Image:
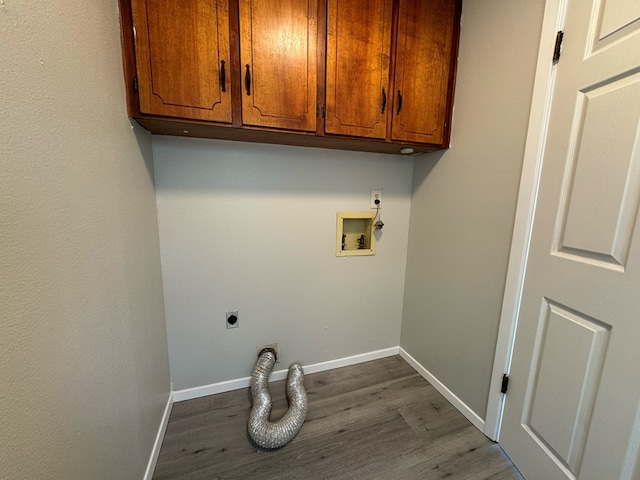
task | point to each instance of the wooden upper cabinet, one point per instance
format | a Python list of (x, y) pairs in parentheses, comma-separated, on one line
[(358, 60), (423, 70), (182, 58), (371, 75), (278, 63)]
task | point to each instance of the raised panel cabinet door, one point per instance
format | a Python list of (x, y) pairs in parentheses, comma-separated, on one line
[(358, 61), (182, 58), (423, 61), (278, 42)]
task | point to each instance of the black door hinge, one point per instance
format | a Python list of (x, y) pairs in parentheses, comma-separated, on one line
[(324, 111), (135, 84), (317, 110), (558, 47), (505, 383)]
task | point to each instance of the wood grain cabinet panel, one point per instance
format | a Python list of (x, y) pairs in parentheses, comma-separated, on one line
[(358, 61), (423, 69), (182, 58), (278, 53)]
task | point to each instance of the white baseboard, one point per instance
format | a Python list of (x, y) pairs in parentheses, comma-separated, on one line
[(212, 389), (153, 459), (446, 393), (196, 392), (345, 362)]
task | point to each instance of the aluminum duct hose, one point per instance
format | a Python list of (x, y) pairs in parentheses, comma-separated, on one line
[(277, 434)]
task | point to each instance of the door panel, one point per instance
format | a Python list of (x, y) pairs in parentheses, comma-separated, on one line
[(278, 62), (562, 395), (358, 61), (617, 15), (425, 40), (573, 407), (180, 48), (602, 188)]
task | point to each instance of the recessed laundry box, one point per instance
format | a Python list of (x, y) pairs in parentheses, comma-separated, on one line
[(354, 234)]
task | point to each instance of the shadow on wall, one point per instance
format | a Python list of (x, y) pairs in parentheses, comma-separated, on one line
[(424, 165), (144, 143), (191, 164)]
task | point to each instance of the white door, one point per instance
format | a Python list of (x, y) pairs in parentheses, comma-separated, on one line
[(573, 406)]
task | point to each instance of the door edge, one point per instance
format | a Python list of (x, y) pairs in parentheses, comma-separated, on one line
[(544, 82)]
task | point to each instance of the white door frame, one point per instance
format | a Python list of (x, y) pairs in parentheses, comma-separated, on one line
[(553, 21)]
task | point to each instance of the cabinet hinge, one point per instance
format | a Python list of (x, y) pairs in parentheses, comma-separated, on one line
[(446, 125), (135, 84), (558, 47), (324, 111), (317, 110), (505, 383)]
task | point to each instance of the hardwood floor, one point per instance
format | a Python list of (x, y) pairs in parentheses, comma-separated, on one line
[(376, 420)]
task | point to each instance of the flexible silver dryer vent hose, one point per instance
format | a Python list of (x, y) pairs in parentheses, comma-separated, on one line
[(277, 434)]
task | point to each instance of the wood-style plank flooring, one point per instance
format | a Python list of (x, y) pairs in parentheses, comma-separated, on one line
[(376, 420)]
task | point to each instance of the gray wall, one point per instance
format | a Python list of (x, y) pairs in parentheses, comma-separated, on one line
[(83, 363), (253, 227), (464, 199)]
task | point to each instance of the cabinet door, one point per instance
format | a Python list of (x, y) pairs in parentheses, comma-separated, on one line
[(423, 60), (278, 42), (358, 47), (182, 58)]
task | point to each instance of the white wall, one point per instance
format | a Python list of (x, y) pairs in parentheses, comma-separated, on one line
[(83, 362), (464, 199), (252, 227)]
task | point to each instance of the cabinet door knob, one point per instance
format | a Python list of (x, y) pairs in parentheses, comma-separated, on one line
[(399, 102), (223, 76), (247, 80), (384, 100)]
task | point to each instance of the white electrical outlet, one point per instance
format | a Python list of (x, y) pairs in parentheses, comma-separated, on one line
[(376, 195)]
